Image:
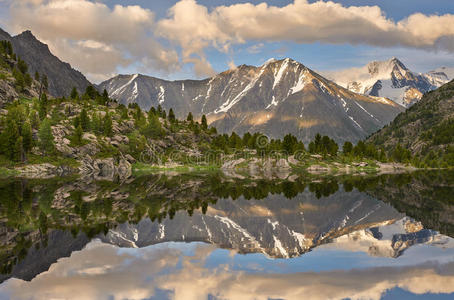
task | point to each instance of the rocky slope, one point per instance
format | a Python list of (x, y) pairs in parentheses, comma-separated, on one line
[(426, 126), (391, 79), (61, 76), (279, 97)]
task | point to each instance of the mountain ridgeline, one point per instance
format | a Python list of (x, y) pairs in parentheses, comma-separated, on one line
[(391, 79), (61, 76), (426, 128), (279, 97)]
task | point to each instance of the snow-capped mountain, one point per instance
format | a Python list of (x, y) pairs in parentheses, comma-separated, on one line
[(391, 79), (353, 223), (279, 97)]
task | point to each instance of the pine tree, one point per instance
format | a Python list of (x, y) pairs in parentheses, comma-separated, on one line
[(91, 92), (96, 124), (152, 111), (74, 94), (27, 80), (46, 138), (289, 143), (107, 124), (84, 120), (347, 148), (44, 82), (37, 76), (105, 96), (19, 150), (76, 121), (9, 137), (204, 122), (43, 107), (22, 66), (78, 133), (34, 120), (27, 136), (190, 118), (124, 113), (20, 81), (171, 116), (153, 129)]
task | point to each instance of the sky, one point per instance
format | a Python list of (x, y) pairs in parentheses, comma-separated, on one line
[(179, 39)]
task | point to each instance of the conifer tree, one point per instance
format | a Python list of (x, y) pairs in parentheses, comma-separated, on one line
[(204, 122), (105, 96), (43, 106), (44, 82), (190, 118), (347, 148), (9, 137), (78, 133), (19, 150), (107, 124), (84, 120), (34, 119), (171, 116), (37, 76), (20, 81), (46, 138), (27, 137), (74, 94)]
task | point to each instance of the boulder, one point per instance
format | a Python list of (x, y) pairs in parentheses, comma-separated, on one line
[(282, 164), (231, 164)]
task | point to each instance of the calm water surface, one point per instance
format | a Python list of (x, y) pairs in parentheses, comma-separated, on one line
[(210, 236)]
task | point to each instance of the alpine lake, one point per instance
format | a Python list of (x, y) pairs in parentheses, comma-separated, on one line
[(211, 235)]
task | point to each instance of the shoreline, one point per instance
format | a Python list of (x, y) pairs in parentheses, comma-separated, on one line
[(252, 167)]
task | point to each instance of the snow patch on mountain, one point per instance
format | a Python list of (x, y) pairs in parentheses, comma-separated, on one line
[(123, 87)]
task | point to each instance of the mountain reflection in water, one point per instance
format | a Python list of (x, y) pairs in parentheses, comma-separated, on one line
[(327, 237)]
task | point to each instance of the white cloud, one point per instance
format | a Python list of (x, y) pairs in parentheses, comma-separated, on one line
[(130, 33), (194, 28), (102, 271), (93, 37)]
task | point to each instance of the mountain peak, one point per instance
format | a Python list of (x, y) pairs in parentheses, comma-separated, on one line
[(27, 34)]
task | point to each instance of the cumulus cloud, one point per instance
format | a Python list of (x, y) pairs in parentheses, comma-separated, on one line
[(131, 34), (193, 27), (93, 37), (103, 271)]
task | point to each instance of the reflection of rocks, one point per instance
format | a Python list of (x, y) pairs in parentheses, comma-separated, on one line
[(45, 170), (107, 168)]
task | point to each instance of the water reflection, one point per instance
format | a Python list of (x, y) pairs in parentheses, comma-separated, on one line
[(375, 223), (198, 271)]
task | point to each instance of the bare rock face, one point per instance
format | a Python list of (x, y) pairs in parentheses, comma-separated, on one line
[(61, 76), (7, 93)]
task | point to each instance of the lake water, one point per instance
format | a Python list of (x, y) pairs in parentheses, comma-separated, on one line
[(212, 236)]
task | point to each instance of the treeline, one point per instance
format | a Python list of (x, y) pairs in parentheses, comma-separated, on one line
[(19, 69)]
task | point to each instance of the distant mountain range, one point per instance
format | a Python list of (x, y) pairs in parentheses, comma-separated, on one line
[(391, 79), (279, 97), (61, 76)]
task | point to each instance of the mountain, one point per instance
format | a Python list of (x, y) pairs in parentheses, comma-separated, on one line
[(391, 79), (279, 97), (61, 76), (425, 127)]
